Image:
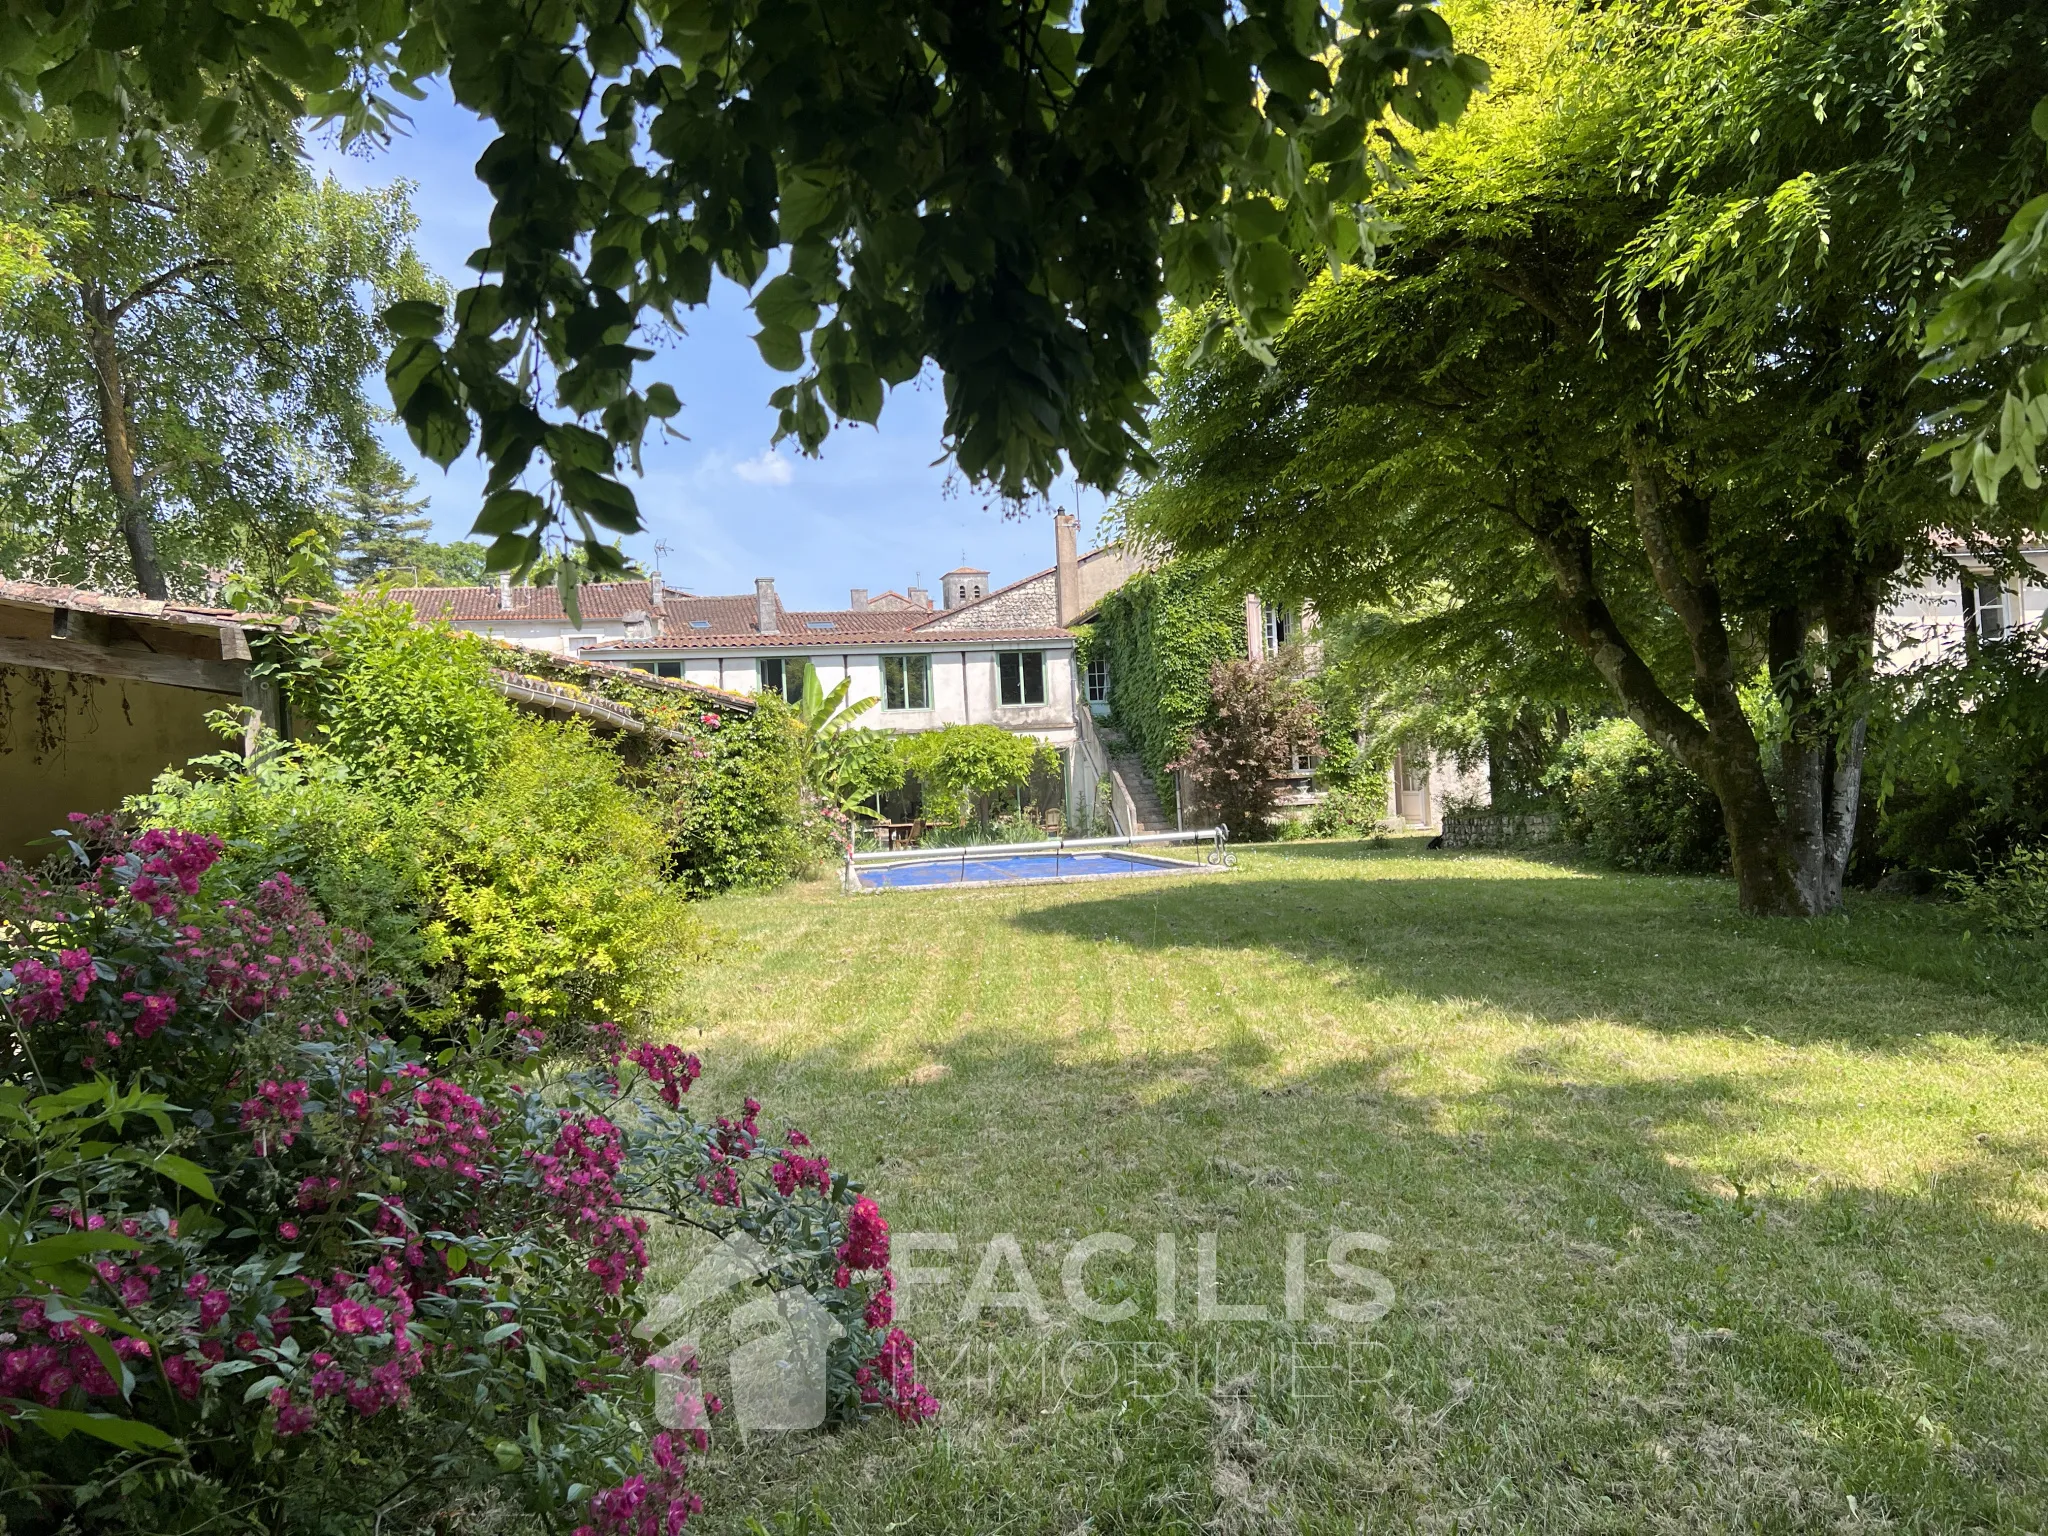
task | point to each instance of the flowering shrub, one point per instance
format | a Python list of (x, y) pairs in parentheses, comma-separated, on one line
[(264, 1267)]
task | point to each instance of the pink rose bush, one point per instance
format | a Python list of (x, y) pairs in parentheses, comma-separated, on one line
[(269, 1236)]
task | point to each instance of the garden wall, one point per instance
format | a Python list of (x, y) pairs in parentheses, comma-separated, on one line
[(1489, 831)]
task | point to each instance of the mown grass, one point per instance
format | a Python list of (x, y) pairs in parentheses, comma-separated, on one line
[(1693, 1222)]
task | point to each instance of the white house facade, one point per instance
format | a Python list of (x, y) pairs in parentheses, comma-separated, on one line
[(983, 656), (1956, 610)]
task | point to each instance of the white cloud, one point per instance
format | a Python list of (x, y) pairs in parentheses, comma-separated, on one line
[(766, 468)]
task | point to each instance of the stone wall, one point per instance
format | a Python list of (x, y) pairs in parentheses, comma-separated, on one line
[(1030, 604), (1485, 830)]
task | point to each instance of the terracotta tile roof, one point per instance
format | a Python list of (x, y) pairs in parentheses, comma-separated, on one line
[(815, 640), (894, 602), (855, 621), (607, 600), (721, 615), (126, 606)]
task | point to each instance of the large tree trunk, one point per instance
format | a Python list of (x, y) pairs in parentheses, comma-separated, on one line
[(1825, 734), (1722, 749), (117, 435)]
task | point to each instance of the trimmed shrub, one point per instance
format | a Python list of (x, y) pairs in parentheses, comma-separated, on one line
[(548, 886), (1630, 804), (1350, 810)]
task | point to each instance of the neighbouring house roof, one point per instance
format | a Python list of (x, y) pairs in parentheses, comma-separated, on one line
[(599, 600), (896, 601), (738, 615), (850, 621), (828, 640), (945, 615)]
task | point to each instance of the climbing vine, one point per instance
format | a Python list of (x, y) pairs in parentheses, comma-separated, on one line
[(1162, 632)]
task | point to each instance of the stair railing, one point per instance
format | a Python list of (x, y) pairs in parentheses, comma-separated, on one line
[(1089, 748)]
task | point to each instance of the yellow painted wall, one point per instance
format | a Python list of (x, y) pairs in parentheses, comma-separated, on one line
[(74, 743)]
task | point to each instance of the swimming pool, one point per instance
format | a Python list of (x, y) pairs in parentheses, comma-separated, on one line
[(1034, 864)]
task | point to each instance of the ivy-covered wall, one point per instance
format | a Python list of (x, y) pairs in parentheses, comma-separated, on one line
[(1162, 631)]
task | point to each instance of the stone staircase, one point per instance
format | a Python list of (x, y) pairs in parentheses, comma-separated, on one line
[(1135, 783)]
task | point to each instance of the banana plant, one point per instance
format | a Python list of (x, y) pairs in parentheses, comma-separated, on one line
[(830, 745)]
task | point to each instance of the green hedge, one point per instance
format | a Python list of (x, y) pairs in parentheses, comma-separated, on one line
[(732, 802), (1633, 805), (1161, 632)]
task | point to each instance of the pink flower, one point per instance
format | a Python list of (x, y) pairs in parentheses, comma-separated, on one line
[(668, 1068), (793, 1171), (277, 1111), (292, 1418), (867, 1236)]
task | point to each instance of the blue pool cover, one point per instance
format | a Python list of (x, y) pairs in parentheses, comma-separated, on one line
[(977, 868)]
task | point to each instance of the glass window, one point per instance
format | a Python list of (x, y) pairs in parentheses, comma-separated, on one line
[(783, 675), (1098, 680), (1279, 627), (1022, 675), (668, 668), (1985, 601), (641, 666), (906, 682)]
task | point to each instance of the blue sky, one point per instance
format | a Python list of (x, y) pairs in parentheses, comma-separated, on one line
[(872, 511)]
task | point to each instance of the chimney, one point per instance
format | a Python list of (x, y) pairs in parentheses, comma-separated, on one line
[(920, 598), (1066, 581), (504, 591), (858, 601), (764, 606)]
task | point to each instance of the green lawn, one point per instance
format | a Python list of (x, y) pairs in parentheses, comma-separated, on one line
[(1692, 1222)]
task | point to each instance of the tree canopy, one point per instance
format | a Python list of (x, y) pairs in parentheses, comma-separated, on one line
[(1639, 367), (1007, 191), (183, 368)]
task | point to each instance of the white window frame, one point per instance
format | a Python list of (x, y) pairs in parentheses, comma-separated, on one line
[(1095, 679), (1280, 626), (1987, 595)]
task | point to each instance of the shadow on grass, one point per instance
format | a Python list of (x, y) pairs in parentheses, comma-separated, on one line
[(1586, 1328), (1666, 954)]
